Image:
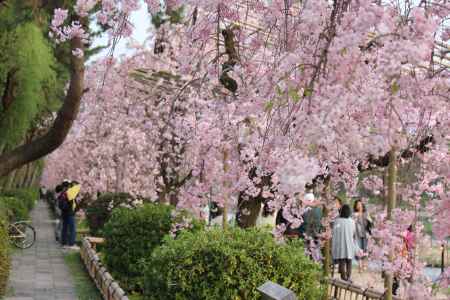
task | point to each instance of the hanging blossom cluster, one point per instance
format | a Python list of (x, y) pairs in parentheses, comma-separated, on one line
[(63, 33), (391, 253), (373, 183), (113, 14)]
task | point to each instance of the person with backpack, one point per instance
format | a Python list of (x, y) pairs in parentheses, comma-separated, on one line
[(59, 190), (312, 225), (67, 207)]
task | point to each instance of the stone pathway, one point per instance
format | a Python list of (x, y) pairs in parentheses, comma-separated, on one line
[(39, 273)]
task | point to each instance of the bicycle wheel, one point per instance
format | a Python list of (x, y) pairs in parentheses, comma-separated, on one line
[(22, 235)]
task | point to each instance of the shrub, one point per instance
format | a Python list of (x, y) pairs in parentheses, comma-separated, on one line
[(14, 209), (99, 211), (132, 234), (5, 262), (28, 196), (218, 265)]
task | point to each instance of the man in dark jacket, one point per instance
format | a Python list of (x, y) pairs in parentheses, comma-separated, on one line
[(68, 232)]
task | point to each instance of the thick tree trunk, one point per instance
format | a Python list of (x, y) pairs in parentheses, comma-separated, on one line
[(392, 196), (248, 211), (44, 145), (250, 207)]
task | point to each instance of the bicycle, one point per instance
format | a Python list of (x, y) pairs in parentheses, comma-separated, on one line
[(22, 234)]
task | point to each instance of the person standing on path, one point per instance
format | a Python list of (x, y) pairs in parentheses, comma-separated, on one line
[(59, 190), (363, 225), (68, 233), (343, 247), (311, 227)]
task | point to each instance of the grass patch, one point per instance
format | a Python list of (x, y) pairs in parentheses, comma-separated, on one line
[(84, 287), (82, 229), (135, 297)]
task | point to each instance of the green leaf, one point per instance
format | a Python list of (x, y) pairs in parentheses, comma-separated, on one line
[(268, 107), (307, 92), (395, 88), (293, 94)]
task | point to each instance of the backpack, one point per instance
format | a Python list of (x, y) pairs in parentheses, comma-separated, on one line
[(63, 203), (312, 223)]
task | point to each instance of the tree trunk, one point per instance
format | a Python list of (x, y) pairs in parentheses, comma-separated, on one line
[(32, 175), (248, 211), (29, 169), (392, 196), (226, 184), (44, 145), (11, 180), (327, 245), (35, 179), (392, 180), (250, 207), (385, 188)]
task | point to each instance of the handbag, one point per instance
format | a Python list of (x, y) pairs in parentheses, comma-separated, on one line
[(369, 225)]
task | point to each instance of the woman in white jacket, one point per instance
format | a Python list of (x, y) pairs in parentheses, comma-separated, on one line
[(344, 247)]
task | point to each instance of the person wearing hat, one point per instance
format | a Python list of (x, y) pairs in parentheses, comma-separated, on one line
[(312, 224), (67, 205)]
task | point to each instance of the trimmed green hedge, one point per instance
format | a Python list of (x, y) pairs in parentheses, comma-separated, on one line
[(216, 265), (132, 234)]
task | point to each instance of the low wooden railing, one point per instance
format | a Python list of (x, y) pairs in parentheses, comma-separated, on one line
[(344, 290), (107, 286)]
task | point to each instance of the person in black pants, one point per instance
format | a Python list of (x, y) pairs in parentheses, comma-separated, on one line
[(343, 246)]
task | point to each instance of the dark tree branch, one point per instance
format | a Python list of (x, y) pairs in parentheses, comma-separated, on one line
[(46, 144), (383, 161)]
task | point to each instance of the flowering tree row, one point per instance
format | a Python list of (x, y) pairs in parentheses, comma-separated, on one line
[(246, 102)]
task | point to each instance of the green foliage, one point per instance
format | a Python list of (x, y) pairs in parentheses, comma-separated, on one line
[(99, 211), (28, 196), (35, 79), (173, 16), (84, 286), (218, 265), (5, 260), (132, 234), (15, 205), (13, 208), (293, 94)]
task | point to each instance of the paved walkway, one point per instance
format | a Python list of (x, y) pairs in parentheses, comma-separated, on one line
[(39, 273)]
